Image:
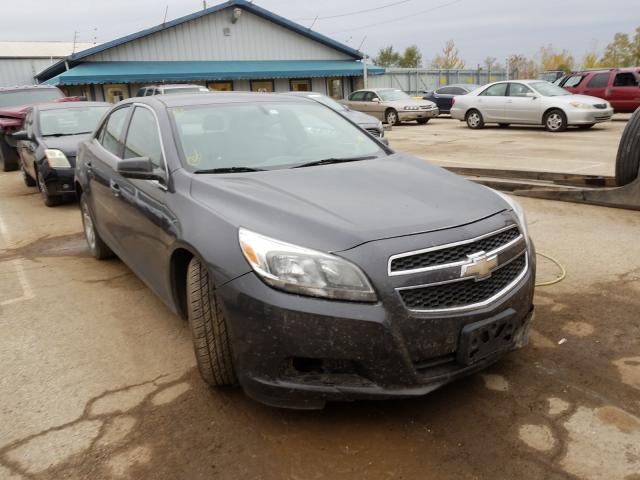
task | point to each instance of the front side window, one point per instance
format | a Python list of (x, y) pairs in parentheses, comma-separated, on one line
[(266, 136), (111, 134), (625, 79), (391, 95), (70, 121), (143, 138), (357, 96), (497, 90), (599, 80), (370, 97), (518, 90)]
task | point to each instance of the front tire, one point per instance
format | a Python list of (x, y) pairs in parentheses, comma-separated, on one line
[(98, 248), (422, 121), (209, 328), (391, 117), (555, 121), (49, 200), (26, 178), (474, 120)]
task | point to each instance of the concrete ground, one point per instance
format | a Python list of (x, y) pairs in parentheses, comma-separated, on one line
[(99, 381)]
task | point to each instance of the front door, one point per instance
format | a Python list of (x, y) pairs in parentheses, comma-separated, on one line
[(492, 102), (521, 108), (596, 86)]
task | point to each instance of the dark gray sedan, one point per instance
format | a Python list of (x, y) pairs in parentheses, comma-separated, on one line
[(312, 262)]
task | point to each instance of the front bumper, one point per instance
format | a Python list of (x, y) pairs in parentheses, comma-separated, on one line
[(587, 117), (300, 352), (58, 181), (409, 115)]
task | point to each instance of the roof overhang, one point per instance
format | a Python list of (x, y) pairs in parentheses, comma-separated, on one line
[(154, 72)]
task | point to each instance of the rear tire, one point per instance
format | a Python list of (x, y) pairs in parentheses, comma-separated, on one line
[(98, 248), (628, 159), (422, 121), (209, 328), (8, 156), (474, 120), (26, 178), (391, 117), (555, 121)]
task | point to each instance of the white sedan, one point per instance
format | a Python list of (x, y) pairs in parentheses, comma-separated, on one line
[(530, 102)]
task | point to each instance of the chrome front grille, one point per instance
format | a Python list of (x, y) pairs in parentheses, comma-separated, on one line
[(467, 292), (458, 253)]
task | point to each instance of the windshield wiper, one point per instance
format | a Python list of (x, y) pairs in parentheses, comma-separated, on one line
[(64, 134), (329, 161), (230, 170)]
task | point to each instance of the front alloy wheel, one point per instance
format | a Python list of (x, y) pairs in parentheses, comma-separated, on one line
[(98, 248), (555, 121), (392, 117)]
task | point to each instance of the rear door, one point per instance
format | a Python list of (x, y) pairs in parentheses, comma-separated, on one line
[(101, 160), (146, 224), (492, 101), (519, 107), (596, 85), (624, 94)]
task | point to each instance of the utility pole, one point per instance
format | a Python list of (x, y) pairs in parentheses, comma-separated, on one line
[(364, 70), (75, 38)]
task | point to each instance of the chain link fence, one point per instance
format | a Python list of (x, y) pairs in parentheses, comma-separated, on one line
[(413, 81)]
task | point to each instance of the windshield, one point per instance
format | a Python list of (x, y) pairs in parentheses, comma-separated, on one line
[(266, 136), (27, 97), (329, 102), (547, 89), (169, 91), (390, 95), (70, 121)]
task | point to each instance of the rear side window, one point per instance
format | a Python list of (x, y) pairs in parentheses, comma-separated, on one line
[(111, 134), (143, 138), (599, 80), (357, 96), (625, 79), (498, 90), (445, 91), (573, 81)]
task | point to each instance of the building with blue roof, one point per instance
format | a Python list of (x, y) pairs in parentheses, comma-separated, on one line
[(235, 45)]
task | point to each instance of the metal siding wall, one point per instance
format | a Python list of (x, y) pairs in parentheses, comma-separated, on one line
[(411, 80), (252, 38), (21, 71), (319, 85)]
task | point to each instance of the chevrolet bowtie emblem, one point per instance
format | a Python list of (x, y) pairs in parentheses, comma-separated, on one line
[(479, 266)]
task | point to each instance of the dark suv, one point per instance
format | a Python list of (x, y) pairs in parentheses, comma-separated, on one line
[(312, 262), (619, 86)]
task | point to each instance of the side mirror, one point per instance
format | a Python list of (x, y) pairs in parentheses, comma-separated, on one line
[(375, 100), (139, 168), (384, 141), (21, 135), (531, 95)]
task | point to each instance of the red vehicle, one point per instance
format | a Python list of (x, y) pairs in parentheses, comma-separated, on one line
[(14, 104), (619, 86)]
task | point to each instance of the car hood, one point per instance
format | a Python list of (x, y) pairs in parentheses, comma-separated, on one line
[(67, 144), (360, 118), (339, 206), (588, 99)]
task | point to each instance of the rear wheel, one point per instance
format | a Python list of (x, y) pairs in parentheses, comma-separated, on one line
[(474, 119), (555, 121), (98, 248), (208, 327), (26, 178), (628, 159), (422, 121), (391, 116), (49, 200)]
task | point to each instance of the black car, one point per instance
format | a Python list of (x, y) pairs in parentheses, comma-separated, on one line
[(443, 96), (312, 262), (47, 146)]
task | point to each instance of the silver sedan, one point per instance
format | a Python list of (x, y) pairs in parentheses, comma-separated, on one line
[(530, 102)]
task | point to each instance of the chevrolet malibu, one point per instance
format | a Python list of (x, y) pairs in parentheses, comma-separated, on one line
[(530, 102), (312, 262)]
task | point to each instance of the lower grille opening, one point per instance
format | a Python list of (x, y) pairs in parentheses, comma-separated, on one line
[(463, 293), (324, 371)]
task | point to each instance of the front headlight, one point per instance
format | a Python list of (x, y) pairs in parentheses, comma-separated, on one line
[(411, 107), (56, 159), (519, 212), (582, 106), (304, 271)]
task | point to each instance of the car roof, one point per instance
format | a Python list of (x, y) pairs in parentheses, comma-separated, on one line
[(68, 105), (216, 98), (305, 94), (464, 85), (605, 70)]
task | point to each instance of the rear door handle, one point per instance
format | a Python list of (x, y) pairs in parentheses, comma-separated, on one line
[(115, 188)]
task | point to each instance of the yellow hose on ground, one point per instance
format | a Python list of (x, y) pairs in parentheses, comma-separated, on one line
[(563, 271)]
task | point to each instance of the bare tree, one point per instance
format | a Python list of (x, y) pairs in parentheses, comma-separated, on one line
[(449, 59)]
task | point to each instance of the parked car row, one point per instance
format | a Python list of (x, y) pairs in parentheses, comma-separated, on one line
[(256, 216)]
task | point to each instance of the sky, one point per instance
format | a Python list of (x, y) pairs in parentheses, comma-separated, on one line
[(480, 28)]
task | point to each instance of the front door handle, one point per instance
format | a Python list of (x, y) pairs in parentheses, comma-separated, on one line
[(115, 188)]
